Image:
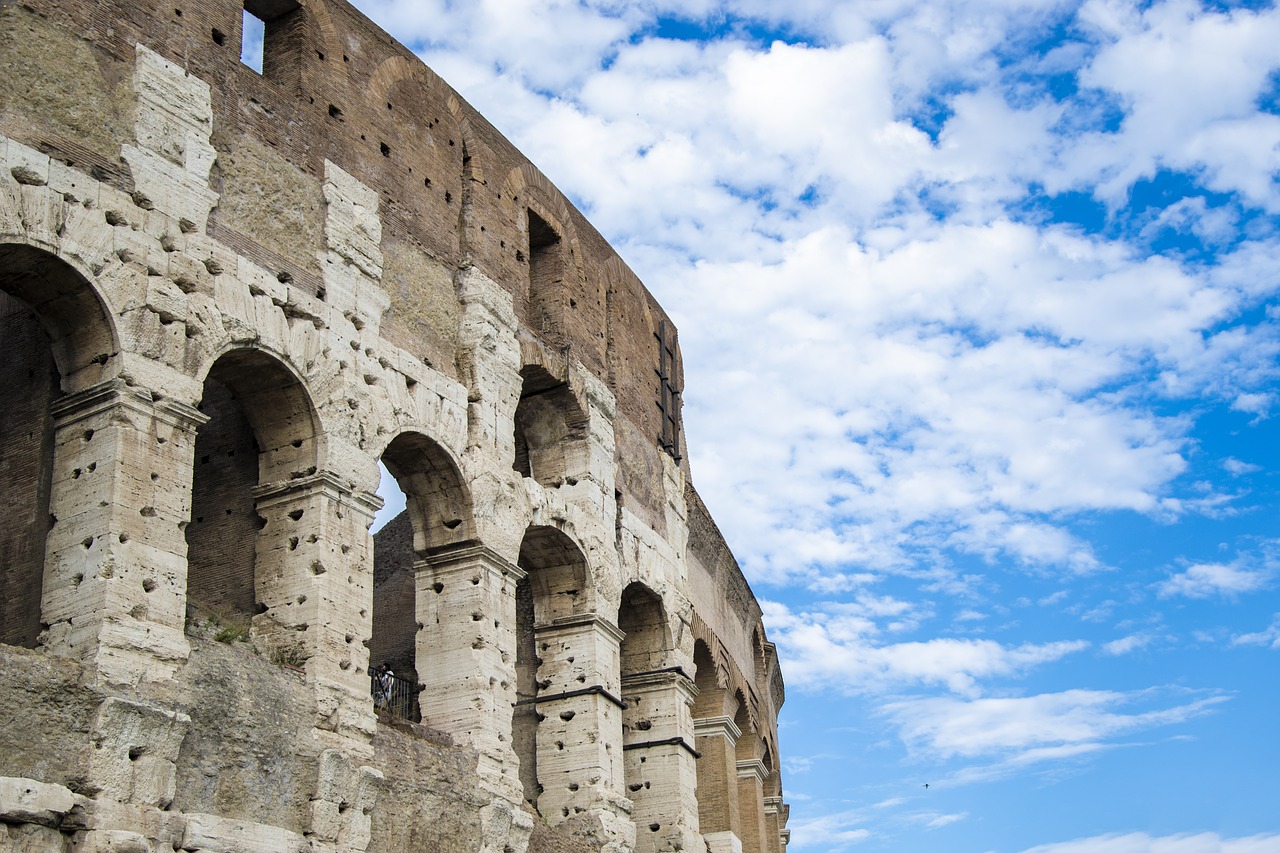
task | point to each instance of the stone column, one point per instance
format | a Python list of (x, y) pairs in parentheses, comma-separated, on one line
[(717, 740), (314, 583), (466, 610), (115, 577), (772, 824), (660, 759), (751, 778), (580, 726)]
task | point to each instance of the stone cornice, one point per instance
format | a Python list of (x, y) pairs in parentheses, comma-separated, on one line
[(464, 557), (717, 727), (579, 621), (754, 767)]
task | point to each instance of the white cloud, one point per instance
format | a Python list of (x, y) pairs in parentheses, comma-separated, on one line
[(937, 821), (1236, 468), (962, 381), (1031, 729), (1210, 580), (1139, 842), (1269, 636), (1131, 643), (834, 647), (832, 832)]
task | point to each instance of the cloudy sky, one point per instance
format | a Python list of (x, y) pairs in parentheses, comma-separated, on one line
[(979, 309)]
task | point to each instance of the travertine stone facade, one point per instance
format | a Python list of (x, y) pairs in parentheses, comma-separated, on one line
[(226, 295)]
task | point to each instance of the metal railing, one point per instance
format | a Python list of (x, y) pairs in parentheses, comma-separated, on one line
[(393, 694)]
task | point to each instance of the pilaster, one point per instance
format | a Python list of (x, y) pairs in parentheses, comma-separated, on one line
[(115, 567), (314, 582), (660, 759), (751, 778), (717, 739), (579, 741), (465, 604)]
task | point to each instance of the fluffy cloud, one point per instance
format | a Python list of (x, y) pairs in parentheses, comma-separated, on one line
[(947, 373), (1030, 729), (1270, 636), (837, 647), (1210, 580)]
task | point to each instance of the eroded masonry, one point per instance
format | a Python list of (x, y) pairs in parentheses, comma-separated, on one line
[(226, 293)]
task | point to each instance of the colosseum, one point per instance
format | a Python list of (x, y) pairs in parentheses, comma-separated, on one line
[(228, 292)]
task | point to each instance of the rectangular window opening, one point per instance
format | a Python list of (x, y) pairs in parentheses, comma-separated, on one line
[(668, 393), (253, 41), (546, 273)]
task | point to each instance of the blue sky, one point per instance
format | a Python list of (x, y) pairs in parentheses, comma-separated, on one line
[(979, 309)]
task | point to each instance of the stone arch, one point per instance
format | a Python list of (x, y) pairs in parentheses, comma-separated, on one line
[(263, 432), (552, 254), (437, 515), (551, 426), (69, 309), (752, 774), (642, 618), (58, 338), (717, 737), (551, 603)]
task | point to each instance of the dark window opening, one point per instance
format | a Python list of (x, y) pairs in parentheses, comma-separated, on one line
[(29, 384), (668, 393), (546, 273)]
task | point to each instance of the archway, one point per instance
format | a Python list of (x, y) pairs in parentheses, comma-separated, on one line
[(58, 338), (550, 430), (550, 663), (436, 514), (262, 431)]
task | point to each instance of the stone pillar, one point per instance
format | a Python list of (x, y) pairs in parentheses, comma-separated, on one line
[(115, 577), (717, 740), (772, 824), (660, 759), (751, 778), (314, 583), (466, 610), (580, 726)]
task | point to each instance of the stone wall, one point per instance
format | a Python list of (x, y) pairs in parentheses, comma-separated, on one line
[(228, 295)]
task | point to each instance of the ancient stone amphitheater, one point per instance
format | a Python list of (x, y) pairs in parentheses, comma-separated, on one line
[(225, 295)]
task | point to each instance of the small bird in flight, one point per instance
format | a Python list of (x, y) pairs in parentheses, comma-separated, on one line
[(926, 786)]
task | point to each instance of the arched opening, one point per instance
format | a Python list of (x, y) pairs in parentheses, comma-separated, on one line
[(434, 515), (651, 718), (716, 787), (28, 387), (642, 620), (261, 430), (57, 338), (551, 429), (555, 587), (751, 778), (548, 256)]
